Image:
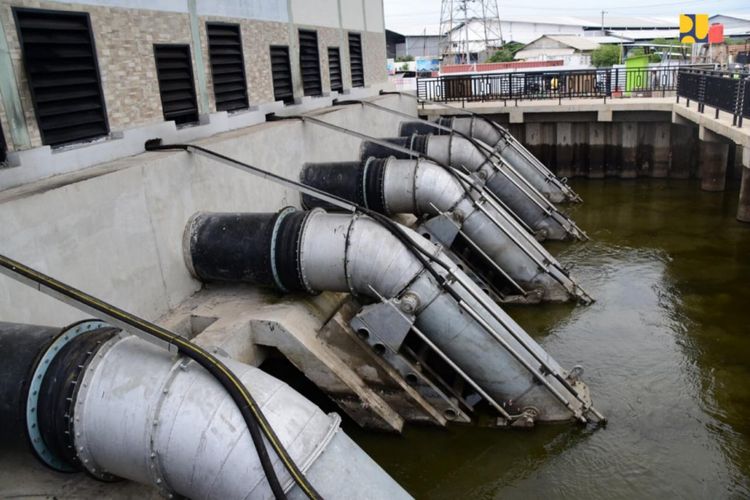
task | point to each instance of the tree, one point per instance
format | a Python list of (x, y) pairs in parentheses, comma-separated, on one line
[(639, 51), (405, 58), (605, 56), (505, 53)]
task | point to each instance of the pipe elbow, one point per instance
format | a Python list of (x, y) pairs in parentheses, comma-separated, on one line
[(341, 252), (419, 187)]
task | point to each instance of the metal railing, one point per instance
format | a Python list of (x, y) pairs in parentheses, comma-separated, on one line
[(553, 84), (722, 90)]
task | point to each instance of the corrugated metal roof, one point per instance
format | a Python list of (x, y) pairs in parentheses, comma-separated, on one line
[(577, 42), (525, 54)]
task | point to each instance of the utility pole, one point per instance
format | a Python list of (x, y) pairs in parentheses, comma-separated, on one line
[(603, 12), (457, 39)]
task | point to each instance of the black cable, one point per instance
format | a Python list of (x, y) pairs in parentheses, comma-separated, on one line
[(250, 410)]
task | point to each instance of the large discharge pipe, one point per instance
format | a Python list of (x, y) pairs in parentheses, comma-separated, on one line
[(522, 199), (93, 398), (501, 142), (422, 188), (312, 251)]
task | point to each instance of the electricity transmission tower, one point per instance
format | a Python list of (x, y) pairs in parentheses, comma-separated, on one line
[(469, 27)]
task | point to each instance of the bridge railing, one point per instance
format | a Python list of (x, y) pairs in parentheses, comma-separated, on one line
[(551, 84), (722, 90)]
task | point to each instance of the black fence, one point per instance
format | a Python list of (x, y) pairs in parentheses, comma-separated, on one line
[(602, 83), (722, 90)]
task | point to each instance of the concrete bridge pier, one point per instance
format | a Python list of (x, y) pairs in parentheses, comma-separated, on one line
[(629, 165), (661, 144), (713, 154), (597, 150), (743, 209), (564, 149)]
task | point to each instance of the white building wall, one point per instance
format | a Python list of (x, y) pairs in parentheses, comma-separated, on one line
[(374, 15), (352, 14), (317, 13)]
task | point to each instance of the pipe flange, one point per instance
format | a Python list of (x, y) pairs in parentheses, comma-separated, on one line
[(274, 269), (363, 187), (79, 437), (32, 398), (386, 165), (305, 463), (414, 184), (347, 270), (300, 254), (155, 469)]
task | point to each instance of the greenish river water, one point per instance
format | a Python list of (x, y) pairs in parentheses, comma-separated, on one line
[(666, 351)]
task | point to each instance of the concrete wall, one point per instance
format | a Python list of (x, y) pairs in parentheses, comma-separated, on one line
[(115, 231), (622, 149)]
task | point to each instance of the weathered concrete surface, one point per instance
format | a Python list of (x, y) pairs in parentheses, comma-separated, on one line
[(313, 333), (116, 230), (712, 160)]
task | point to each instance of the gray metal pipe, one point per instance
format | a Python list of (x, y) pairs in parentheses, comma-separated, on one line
[(513, 190), (502, 145), (420, 187), (515, 153), (140, 413), (352, 253), (349, 253)]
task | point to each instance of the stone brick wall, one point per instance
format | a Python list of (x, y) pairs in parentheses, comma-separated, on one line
[(373, 55), (124, 44)]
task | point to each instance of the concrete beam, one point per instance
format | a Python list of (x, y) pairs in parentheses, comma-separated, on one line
[(515, 115), (708, 135), (678, 119), (604, 115)]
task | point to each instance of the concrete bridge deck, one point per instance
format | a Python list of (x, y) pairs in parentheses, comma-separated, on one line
[(626, 137), (525, 111)]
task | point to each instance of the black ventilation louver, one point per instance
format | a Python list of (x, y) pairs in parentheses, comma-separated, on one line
[(334, 69), (227, 66), (174, 69), (281, 72), (355, 60), (309, 62), (63, 74)]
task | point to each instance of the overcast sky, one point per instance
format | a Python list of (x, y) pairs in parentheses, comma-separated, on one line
[(403, 14)]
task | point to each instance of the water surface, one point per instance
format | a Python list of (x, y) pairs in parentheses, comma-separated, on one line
[(666, 351)]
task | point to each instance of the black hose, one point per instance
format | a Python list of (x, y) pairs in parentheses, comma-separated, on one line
[(253, 416)]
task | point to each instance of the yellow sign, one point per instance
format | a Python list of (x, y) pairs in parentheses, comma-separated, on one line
[(693, 28)]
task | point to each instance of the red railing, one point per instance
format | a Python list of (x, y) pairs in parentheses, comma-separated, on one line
[(470, 68)]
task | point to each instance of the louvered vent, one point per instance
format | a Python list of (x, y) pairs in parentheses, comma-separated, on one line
[(227, 66), (60, 59), (174, 69), (309, 61), (355, 60), (281, 73), (334, 68)]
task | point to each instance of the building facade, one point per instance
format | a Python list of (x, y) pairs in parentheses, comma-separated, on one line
[(73, 73)]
